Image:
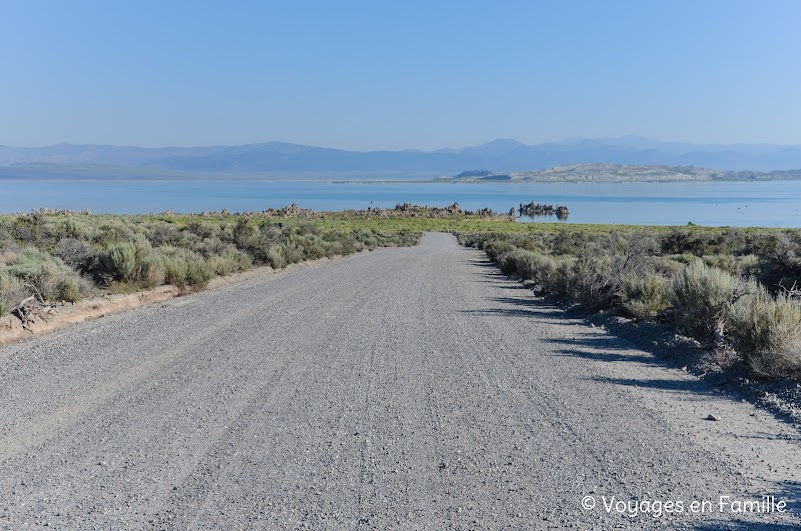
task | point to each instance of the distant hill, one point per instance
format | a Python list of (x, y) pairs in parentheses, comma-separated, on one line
[(504, 156), (474, 174), (623, 173)]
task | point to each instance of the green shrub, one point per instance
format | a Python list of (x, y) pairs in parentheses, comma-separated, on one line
[(335, 248), (198, 273), (519, 262), (113, 232), (70, 228), (569, 243), (645, 295), (701, 297), (366, 238), (766, 332), (142, 247), (184, 268), (150, 271), (595, 280), (496, 248), (69, 290), (199, 229), (175, 269), (293, 252), (134, 262), (724, 262), (213, 246), (242, 260), (734, 265), (348, 245), (75, 253), (666, 266), (11, 291), (555, 274), (28, 228), (163, 234), (222, 266), (42, 272), (749, 265), (231, 261), (276, 258), (119, 261), (684, 258)]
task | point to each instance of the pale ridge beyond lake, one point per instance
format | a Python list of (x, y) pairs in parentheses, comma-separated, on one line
[(742, 204)]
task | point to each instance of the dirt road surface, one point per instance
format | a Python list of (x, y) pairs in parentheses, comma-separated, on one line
[(411, 388)]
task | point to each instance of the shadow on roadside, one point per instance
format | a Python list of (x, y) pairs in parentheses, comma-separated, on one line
[(690, 386), (626, 340), (603, 343), (515, 312)]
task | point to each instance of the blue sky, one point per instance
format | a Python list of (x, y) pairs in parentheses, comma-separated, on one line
[(394, 75)]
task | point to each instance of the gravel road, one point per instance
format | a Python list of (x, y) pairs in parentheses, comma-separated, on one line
[(411, 388)]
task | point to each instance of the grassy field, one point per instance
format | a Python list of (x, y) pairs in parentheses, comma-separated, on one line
[(721, 285)]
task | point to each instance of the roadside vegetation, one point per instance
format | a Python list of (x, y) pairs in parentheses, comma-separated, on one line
[(720, 286), (67, 256)]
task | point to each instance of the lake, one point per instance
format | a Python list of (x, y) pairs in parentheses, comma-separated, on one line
[(765, 204)]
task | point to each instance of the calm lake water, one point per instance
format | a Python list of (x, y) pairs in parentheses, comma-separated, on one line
[(765, 204)]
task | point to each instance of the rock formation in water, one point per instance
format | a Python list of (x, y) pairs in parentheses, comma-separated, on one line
[(535, 209)]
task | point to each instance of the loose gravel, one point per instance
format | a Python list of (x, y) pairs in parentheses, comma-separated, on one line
[(408, 388)]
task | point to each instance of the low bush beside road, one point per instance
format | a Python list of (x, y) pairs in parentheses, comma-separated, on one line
[(66, 256), (724, 287)]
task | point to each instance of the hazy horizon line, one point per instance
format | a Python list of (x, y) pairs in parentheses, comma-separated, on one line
[(564, 140)]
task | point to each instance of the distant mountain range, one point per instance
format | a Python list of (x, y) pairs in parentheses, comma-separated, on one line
[(502, 156)]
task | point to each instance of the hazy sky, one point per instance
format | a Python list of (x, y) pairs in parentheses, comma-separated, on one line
[(375, 74)]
